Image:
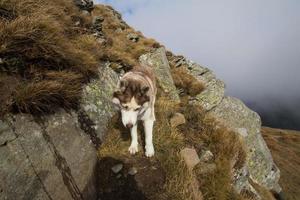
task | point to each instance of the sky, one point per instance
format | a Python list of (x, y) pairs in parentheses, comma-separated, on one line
[(252, 45)]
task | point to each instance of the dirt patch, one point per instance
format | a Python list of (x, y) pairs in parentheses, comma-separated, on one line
[(146, 183)]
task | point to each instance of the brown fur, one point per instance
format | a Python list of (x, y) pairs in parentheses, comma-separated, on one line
[(146, 71), (132, 88)]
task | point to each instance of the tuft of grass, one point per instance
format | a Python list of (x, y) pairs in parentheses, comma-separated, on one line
[(187, 82), (226, 146), (43, 46), (44, 96)]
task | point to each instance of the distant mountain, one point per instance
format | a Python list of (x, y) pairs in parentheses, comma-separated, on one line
[(277, 114)]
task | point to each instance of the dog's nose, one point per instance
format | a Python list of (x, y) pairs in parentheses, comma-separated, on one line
[(129, 125)]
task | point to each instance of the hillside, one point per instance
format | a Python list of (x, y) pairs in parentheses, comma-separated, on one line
[(60, 134), (285, 148)]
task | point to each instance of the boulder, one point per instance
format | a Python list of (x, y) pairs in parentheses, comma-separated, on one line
[(190, 157), (51, 159), (214, 88), (160, 64), (97, 107), (177, 119), (54, 157), (262, 169)]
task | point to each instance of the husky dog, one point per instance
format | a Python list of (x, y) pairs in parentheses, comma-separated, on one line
[(136, 98)]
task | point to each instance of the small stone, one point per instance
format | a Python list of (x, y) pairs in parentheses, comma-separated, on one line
[(190, 157), (177, 119), (206, 156), (77, 23), (98, 19), (133, 37), (86, 13), (117, 168), (132, 171)]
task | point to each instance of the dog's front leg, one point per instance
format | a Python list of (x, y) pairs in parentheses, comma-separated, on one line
[(134, 140), (148, 127)]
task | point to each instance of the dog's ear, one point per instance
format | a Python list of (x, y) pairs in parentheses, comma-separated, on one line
[(144, 90), (116, 97), (123, 85)]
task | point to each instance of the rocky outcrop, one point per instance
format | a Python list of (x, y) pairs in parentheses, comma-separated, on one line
[(247, 123), (158, 60), (97, 107), (50, 159), (54, 157), (259, 167)]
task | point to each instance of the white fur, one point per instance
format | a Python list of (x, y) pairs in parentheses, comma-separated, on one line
[(131, 116)]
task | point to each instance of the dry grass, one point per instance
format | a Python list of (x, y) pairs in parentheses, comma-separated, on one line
[(187, 82), (226, 146), (119, 48), (40, 41), (285, 149), (168, 142)]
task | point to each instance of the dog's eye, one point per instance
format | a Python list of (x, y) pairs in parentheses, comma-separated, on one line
[(137, 109), (126, 107)]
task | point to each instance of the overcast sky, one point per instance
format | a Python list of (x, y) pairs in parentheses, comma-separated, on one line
[(253, 45)]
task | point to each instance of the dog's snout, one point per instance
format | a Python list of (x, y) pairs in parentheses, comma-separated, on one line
[(129, 125)]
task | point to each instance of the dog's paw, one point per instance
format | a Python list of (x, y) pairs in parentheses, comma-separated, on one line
[(149, 150), (133, 149)]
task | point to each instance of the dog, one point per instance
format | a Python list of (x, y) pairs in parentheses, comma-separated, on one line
[(135, 98)]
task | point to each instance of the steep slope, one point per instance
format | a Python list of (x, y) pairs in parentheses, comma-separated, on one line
[(285, 148), (89, 48)]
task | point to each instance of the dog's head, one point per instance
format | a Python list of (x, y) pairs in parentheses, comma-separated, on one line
[(132, 99)]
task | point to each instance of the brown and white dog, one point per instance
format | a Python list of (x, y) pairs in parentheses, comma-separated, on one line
[(136, 98)]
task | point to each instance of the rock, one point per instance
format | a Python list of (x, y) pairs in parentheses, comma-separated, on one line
[(190, 157), (206, 156), (98, 19), (87, 5), (133, 37), (237, 116), (177, 119), (6, 133), (96, 106), (52, 159), (117, 168), (132, 171), (214, 90), (97, 27), (160, 64), (1, 61)]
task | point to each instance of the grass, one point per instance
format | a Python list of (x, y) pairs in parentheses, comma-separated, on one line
[(285, 149), (187, 82), (44, 42), (118, 48), (43, 49)]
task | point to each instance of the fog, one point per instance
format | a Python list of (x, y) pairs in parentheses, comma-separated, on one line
[(252, 45)]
